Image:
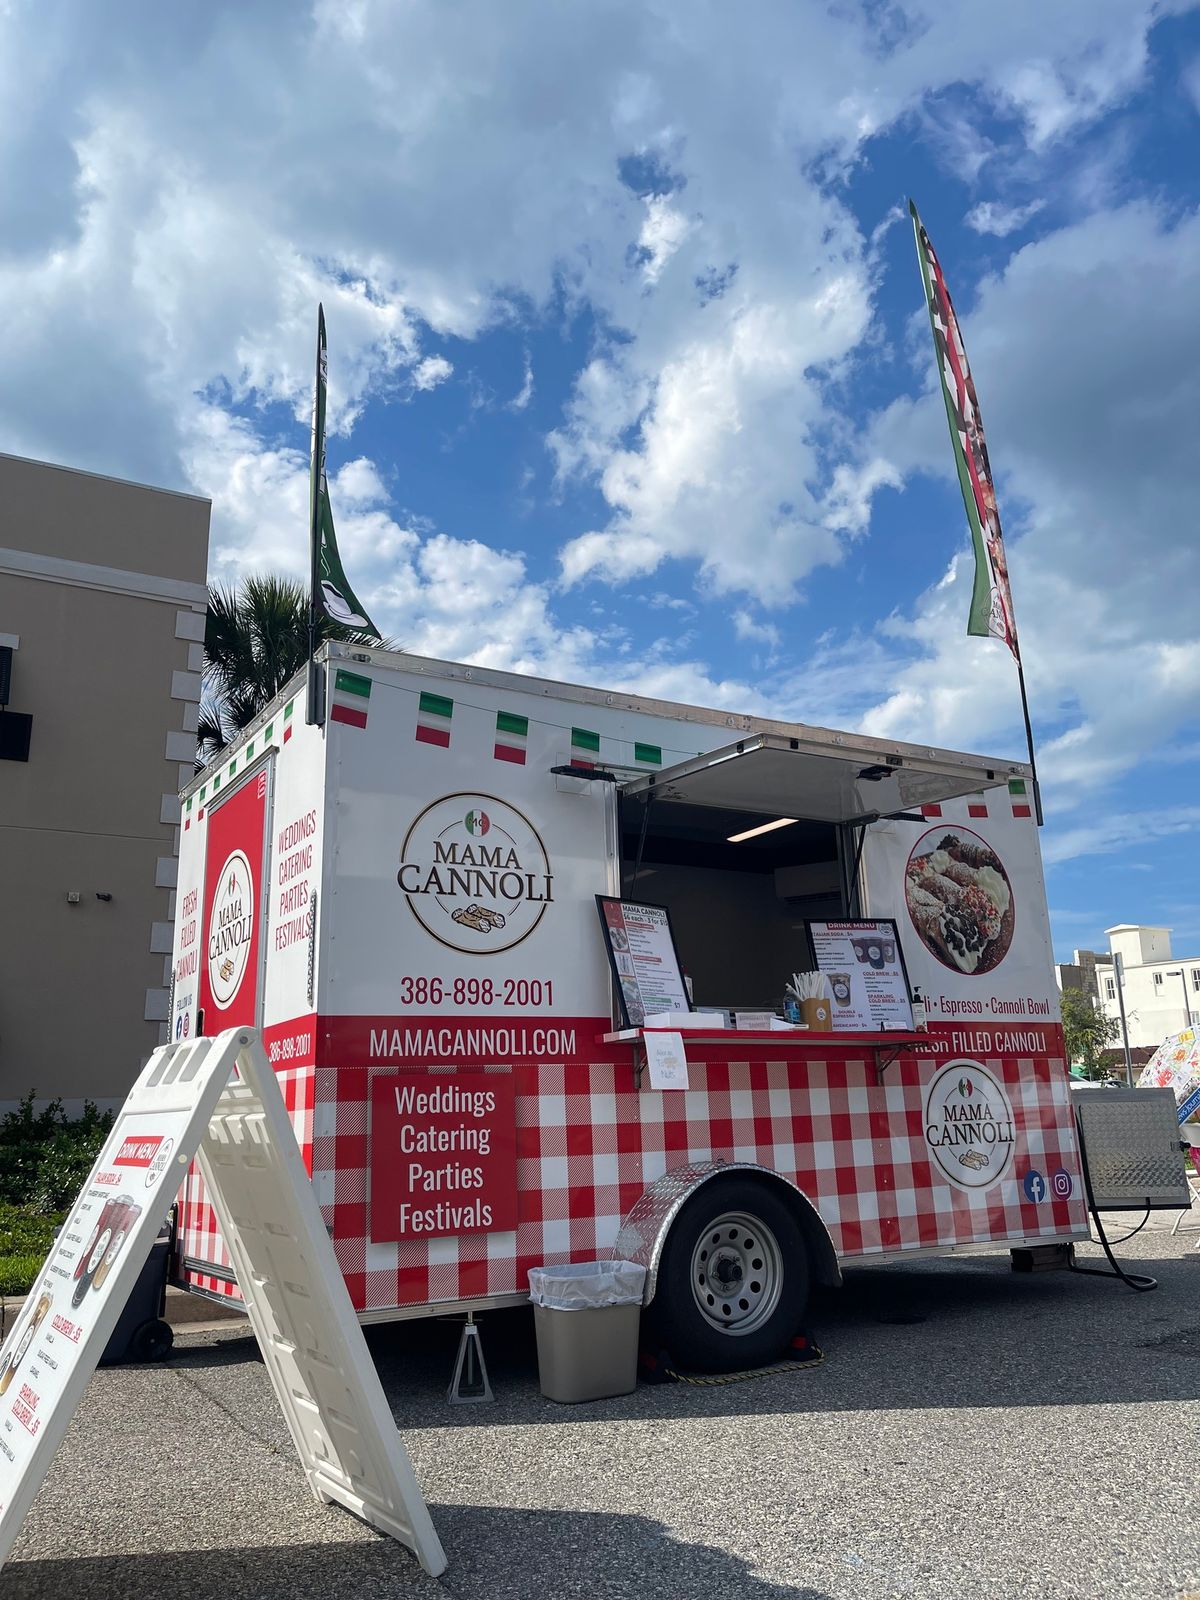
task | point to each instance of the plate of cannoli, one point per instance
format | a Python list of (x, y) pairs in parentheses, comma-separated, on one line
[(960, 899)]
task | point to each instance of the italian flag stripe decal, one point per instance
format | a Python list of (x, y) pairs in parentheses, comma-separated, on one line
[(433, 720), (584, 746), (649, 753), (512, 737), (287, 721), (351, 692)]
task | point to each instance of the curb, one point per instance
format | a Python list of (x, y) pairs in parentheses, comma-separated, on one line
[(183, 1309)]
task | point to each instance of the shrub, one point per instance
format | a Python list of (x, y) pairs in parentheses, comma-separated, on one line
[(25, 1240), (45, 1155)]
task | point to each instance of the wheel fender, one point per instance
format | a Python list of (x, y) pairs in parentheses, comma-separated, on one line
[(644, 1231)]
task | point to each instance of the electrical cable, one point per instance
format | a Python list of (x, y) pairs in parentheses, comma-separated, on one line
[(1140, 1281), (1133, 1231)]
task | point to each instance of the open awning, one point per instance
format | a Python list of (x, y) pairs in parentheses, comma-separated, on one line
[(775, 776)]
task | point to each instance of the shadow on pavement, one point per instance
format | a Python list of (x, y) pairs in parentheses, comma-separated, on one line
[(928, 1334), (494, 1554)]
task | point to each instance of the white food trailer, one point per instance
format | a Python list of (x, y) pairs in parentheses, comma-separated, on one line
[(404, 900)]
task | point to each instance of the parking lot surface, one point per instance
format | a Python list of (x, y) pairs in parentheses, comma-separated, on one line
[(972, 1433)]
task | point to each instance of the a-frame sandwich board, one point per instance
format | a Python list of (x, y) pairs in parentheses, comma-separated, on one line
[(218, 1100)]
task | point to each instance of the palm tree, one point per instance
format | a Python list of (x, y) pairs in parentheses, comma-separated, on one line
[(255, 640)]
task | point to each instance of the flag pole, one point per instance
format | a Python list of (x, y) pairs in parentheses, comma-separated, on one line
[(314, 705), (1037, 788)]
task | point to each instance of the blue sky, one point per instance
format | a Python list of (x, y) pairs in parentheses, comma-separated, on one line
[(631, 381)]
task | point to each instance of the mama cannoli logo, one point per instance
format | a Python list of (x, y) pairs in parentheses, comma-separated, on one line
[(231, 929), (475, 873), (969, 1125)]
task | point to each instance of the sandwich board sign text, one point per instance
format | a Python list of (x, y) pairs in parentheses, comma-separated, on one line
[(189, 1101)]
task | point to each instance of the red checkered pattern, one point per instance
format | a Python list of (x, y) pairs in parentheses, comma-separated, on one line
[(588, 1143), (199, 1237)]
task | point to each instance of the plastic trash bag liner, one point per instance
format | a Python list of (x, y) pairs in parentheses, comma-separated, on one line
[(587, 1285)]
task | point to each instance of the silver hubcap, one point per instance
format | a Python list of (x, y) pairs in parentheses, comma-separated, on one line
[(737, 1273)]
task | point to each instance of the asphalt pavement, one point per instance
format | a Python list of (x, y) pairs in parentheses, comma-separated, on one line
[(974, 1434)]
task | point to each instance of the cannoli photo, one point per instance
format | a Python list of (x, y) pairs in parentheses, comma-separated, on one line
[(960, 900)]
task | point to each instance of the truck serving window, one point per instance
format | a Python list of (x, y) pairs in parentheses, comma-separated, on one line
[(747, 843)]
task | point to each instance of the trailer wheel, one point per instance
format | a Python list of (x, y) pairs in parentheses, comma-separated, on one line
[(733, 1278)]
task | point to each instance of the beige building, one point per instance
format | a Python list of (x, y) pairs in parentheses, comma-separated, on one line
[(102, 602), (1161, 991)]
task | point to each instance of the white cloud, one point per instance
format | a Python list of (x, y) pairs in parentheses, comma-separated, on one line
[(417, 174), (429, 373), (173, 213), (663, 231), (1118, 832), (991, 216), (525, 394)]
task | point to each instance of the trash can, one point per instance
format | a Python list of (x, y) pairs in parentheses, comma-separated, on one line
[(142, 1333), (586, 1316)]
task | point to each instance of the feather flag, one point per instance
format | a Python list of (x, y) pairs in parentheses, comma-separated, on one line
[(332, 595), (991, 598)]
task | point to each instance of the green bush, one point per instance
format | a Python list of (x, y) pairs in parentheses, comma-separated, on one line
[(25, 1240), (45, 1155)]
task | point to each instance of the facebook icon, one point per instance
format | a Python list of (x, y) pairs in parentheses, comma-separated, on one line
[(1035, 1186)]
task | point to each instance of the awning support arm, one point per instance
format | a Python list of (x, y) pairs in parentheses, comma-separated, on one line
[(637, 865)]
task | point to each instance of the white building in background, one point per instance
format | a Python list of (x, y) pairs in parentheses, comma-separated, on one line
[(1161, 991)]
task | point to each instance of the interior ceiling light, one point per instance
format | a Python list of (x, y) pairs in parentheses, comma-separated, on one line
[(763, 827)]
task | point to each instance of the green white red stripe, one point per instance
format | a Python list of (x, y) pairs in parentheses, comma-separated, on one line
[(350, 699), (287, 721), (648, 754), (991, 597), (512, 737), (433, 719), (585, 747)]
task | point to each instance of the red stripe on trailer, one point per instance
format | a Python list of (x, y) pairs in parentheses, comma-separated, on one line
[(200, 815), (509, 752), (931, 811), (438, 736), (350, 714), (187, 822), (1022, 811), (287, 733), (977, 811)]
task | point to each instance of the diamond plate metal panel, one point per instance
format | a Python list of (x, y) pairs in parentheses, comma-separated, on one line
[(644, 1231), (1131, 1140)]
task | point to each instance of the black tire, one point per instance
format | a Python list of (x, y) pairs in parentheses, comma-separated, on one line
[(744, 1314), (152, 1341)]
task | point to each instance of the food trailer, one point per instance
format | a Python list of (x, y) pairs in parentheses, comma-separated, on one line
[(460, 910)]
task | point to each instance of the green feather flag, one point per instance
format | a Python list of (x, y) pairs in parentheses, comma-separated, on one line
[(332, 595)]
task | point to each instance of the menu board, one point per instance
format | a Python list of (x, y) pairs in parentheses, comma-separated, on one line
[(864, 968), (117, 1213), (641, 950)]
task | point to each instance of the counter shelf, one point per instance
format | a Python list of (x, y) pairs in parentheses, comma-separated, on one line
[(885, 1047)]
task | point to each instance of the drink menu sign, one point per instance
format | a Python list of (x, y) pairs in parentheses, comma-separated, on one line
[(125, 1198), (864, 968), (645, 963)]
